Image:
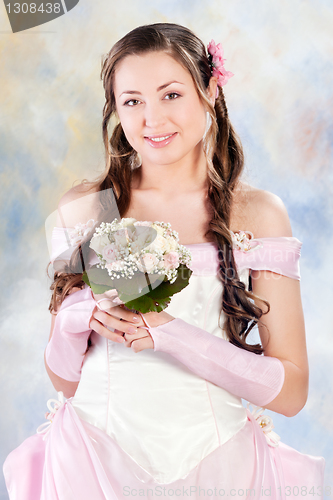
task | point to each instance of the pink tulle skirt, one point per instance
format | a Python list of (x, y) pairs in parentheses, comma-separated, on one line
[(78, 461)]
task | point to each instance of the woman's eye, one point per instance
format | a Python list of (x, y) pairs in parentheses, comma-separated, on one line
[(172, 95), (131, 102)]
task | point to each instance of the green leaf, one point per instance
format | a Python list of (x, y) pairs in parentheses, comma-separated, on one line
[(145, 304), (85, 278), (166, 289), (98, 289), (100, 276)]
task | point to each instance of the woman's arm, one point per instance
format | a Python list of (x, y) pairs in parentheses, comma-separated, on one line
[(282, 330), (77, 205), (60, 384), (283, 336), (70, 332)]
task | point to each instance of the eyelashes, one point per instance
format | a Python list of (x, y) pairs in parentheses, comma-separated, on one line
[(171, 96), (130, 102), (174, 94)]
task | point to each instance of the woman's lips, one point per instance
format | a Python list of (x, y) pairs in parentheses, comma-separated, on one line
[(159, 141)]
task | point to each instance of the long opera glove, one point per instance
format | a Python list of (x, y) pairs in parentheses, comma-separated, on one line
[(253, 377), (65, 352)]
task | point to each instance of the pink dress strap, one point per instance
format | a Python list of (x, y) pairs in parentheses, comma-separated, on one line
[(277, 254)]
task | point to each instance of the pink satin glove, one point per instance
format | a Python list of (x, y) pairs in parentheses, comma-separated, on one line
[(258, 379), (65, 352)]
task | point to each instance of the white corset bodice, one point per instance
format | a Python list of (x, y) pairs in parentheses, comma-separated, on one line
[(159, 412)]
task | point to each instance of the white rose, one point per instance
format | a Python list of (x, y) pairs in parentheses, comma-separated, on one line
[(110, 253), (98, 242), (171, 260), (160, 265), (121, 238), (173, 244), (143, 237), (158, 229), (147, 263), (127, 221), (135, 248), (160, 244)]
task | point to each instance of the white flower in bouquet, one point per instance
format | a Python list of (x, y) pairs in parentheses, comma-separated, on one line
[(171, 260), (148, 263), (127, 221), (99, 242), (121, 239), (110, 253), (160, 244), (143, 237), (159, 229)]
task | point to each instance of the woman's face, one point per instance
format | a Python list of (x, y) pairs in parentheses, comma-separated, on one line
[(159, 108)]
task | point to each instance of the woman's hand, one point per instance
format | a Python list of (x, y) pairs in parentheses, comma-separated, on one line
[(142, 339), (120, 319), (127, 328), (127, 325), (139, 341)]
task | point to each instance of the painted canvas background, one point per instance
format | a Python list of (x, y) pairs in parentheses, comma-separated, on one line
[(280, 101)]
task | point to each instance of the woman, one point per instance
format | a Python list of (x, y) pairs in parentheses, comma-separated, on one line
[(164, 417)]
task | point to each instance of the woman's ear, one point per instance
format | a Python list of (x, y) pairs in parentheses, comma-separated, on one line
[(211, 89)]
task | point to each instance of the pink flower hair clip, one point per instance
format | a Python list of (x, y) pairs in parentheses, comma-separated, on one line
[(216, 63)]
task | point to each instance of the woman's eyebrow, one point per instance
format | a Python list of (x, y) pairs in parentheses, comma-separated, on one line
[(158, 89), (167, 85)]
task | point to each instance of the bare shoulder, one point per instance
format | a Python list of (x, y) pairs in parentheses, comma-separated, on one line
[(77, 205), (259, 211)]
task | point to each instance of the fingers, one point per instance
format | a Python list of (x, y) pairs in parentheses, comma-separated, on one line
[(99, 328), (141, 344), (120, 319), (116, 323), (139, 341), (121, 312), (139, 334), (101, 321)]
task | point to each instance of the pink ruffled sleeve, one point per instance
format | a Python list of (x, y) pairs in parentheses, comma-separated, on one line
[(63, 245), (280, 255)]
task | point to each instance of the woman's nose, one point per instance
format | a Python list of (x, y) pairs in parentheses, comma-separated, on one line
[(154, 115)]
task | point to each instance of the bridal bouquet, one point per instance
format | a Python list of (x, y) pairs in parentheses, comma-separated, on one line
[(142, 261)]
